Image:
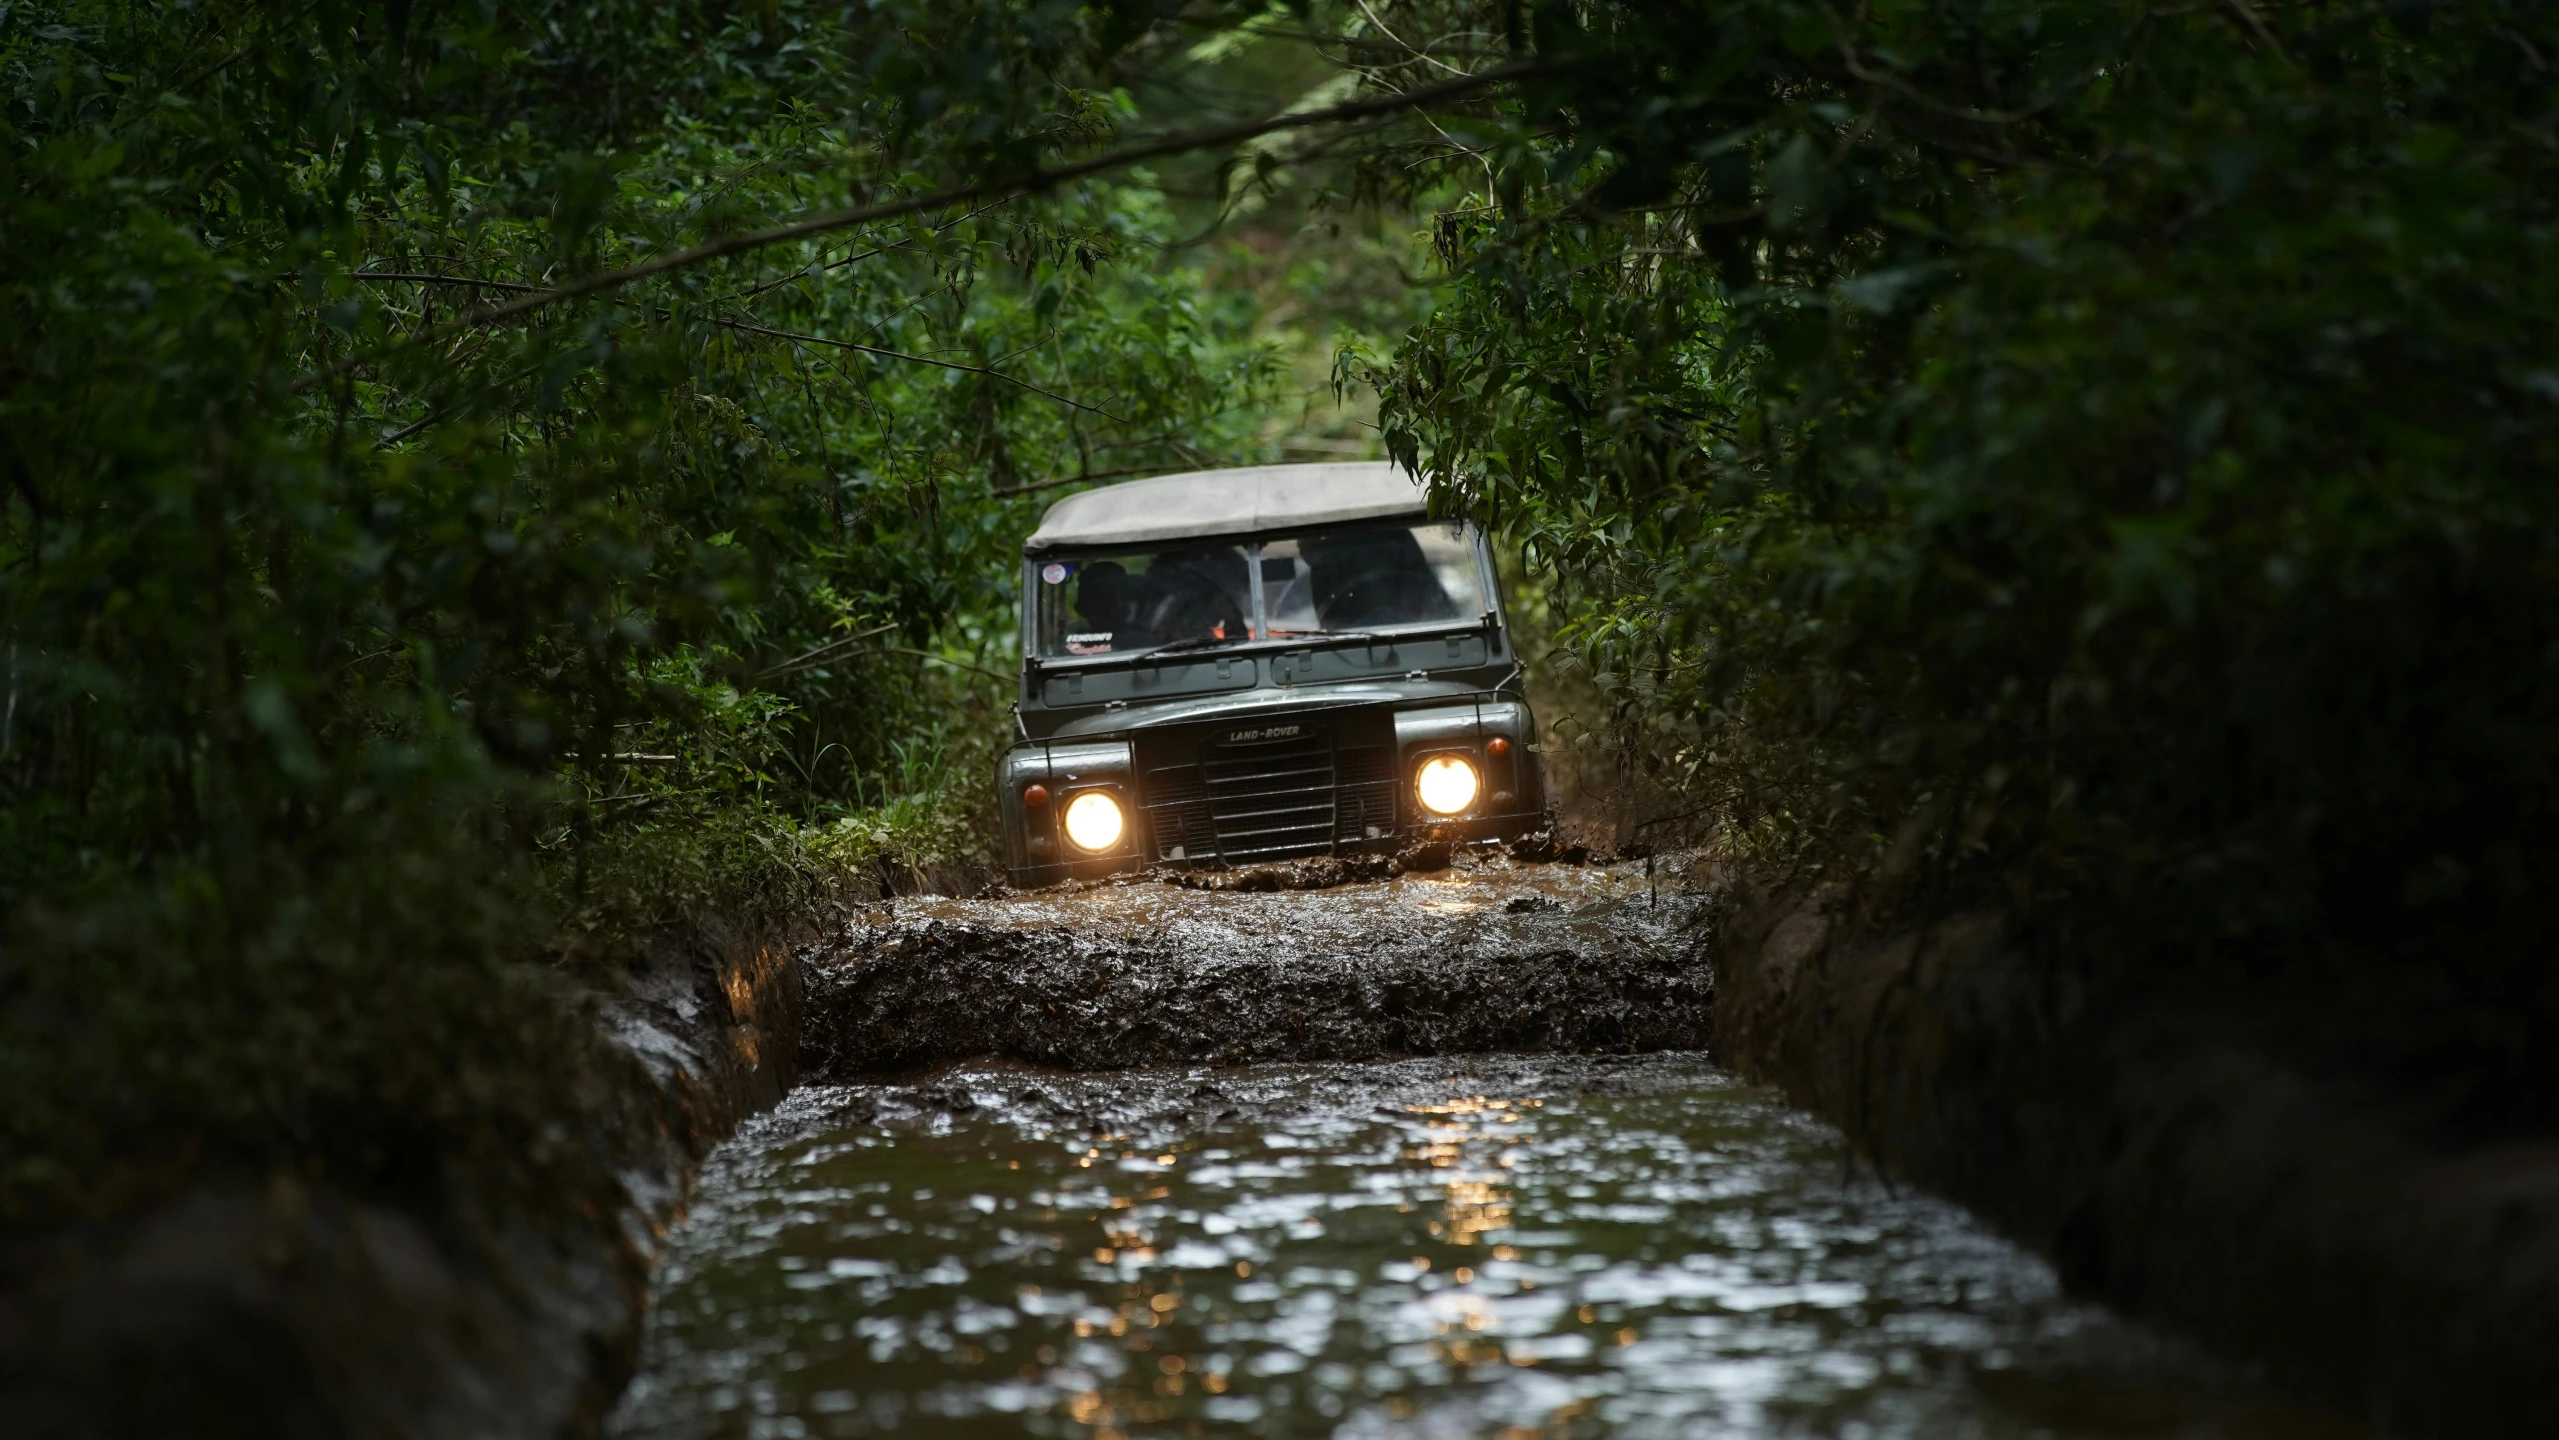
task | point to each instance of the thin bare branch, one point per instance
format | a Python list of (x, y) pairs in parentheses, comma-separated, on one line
[(838, 643), (920, 360), (1087, 476), (940, 229), (472, 281), (1409, 47)]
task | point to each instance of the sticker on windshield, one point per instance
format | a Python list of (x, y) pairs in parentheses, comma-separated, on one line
[(1054, 573), (1091, 643)]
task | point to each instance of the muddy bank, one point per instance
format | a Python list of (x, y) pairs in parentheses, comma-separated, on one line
[(2184, 1156), (1486, 955), (275, 1307)]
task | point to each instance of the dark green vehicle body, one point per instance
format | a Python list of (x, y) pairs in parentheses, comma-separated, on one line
[(1269, 745)]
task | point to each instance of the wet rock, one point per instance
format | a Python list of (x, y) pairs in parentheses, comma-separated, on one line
[(1320, 873), (1424, 855), (1421, 858), (1534, 847)]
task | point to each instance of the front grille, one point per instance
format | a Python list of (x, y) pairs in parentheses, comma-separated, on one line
[(1269, 787), (1270, 800), (1365, 790), (1177, 813)]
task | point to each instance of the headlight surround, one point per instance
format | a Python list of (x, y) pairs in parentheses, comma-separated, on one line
[(1095, 822), (1447, 784)]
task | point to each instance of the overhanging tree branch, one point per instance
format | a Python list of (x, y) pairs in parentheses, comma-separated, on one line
[(1033, 180)]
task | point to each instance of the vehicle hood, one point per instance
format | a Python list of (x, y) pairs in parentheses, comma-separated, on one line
[(1267, 701)]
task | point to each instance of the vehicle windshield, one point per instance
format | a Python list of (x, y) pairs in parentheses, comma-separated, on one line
[(1369, 578), (1351, 579), (1140, 599)]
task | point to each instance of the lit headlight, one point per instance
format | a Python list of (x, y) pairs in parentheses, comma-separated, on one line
[(1094, 821), (1446, 785)]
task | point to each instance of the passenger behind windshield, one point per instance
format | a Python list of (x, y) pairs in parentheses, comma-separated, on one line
[(1143, 600), (1361, 578)]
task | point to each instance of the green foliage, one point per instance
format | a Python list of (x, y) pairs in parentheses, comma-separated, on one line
[(2086, 453), (353, 641)]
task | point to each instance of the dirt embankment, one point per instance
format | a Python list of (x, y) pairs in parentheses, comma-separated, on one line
[(2182, 1155), (273, 1308), (284, 1309), (1483, 956)]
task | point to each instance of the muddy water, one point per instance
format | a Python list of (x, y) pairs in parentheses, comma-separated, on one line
[(1498, 1245)]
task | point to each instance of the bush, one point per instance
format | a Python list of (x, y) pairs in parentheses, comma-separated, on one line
[(356, 638)]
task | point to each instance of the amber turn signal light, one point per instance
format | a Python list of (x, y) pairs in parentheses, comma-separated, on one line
[(1035, 796), (1497, 747)]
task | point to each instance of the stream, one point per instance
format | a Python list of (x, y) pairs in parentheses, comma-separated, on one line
[(1511, 1245)]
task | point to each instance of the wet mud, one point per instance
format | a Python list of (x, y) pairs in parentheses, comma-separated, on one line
[(1484, 954)]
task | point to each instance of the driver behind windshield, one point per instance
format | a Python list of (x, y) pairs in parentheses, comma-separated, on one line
[(1373, 577), (1193, 595)]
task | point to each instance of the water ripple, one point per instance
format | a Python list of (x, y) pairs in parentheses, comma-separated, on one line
[(1487, 1247)]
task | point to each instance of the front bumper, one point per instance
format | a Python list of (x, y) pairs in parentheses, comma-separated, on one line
[(1280, 785)]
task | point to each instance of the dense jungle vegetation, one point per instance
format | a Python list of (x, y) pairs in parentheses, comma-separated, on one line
[(370, 654), (485, 477), (2092, 461)]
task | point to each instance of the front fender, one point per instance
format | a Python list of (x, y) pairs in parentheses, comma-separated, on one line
[(1513, 782), (1035, 849)]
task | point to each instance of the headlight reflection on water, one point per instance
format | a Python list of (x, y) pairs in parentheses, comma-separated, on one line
[(1415, 1248)]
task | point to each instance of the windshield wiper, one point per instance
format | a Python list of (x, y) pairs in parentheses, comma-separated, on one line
[(1211, 642), (1322, 637), (1196, 642)]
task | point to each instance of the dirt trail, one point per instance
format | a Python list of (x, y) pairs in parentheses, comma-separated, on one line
[(1487, 954)]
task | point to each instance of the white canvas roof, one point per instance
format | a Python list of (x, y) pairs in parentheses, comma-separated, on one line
[(1228, 502)]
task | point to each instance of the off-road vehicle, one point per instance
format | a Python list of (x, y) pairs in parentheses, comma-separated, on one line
[(1235, 666)]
